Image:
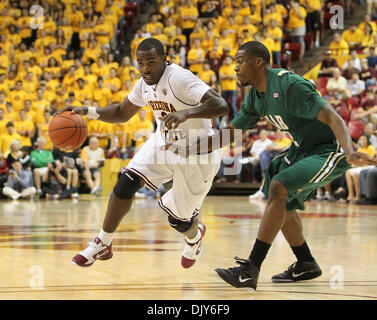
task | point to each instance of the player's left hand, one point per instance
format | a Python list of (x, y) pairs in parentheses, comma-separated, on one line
[(361, 159), (173, 119)]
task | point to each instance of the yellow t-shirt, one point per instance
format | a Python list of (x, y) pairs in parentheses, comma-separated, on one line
[(102, 96), (352, 37), (370, 150), (44, 132), (206, 75), (100, 127), (195, 54), (294, 20), (227, 84), (339, 49), (23, 127), (275, 32), (188, 12), (5, 141)]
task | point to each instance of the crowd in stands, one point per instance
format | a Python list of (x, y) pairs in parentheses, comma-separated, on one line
[(74, 60)]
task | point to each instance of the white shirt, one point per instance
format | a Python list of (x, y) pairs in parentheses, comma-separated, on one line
[(178, 89), (259, 146)]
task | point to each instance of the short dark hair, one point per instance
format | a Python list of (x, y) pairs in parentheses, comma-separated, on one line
[(256, 49), (150, 44), (9, 124)]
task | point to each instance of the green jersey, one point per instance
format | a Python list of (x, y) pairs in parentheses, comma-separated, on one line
[(291, 103)]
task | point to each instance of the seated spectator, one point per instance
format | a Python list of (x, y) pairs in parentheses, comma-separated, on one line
[(68, 160), (93, 158), (338, 46), (40, 158), (367, 186), (54, 183), (347, 72), (253, 163), (355, 86), (327, 65), (352, 175), (368, 109), (3, 170), (25, 158), (372, 57), (19, 183), (272, 150), (355, 59), (337, 85), (15, 152), (367, 74), (370, 131), (353, 37)]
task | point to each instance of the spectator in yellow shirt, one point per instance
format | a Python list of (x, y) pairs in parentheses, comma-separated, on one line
[(154, 24), (18, 96), (142, 128), (101, 94), (228, 83), (101, 130), (103, 32), (7, 138), (206, 73), (23, 25), (196, 56), (83, 91), (3, 122), (338, 46), (113, 82), (353, 37), (313, 19), (296, 24), (189, 15), (276, 34), (25, 128)]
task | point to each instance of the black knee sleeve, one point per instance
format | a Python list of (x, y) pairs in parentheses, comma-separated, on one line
[(179, 225), (127, 185)]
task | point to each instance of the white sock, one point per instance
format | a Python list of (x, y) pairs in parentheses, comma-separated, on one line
[(195, 239), (105, 237)]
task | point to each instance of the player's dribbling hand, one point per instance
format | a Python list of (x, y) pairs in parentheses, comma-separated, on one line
[(361, 159), (82, 111), (173, 119)]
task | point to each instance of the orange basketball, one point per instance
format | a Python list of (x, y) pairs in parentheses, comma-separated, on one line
[(68, 130)]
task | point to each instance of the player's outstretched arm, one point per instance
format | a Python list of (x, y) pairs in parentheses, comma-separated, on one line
[(329, 116), (118, 112), (212, 106)]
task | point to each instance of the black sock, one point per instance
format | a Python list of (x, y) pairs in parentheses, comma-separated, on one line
[(302, 253), (259, 252)]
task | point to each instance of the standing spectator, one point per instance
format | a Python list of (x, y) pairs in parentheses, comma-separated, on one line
[(7, 138), (313, 19), (275, 32), (296, 24), (93, 157), (196, 56), (19, 183), (189, 15), (228, 83), (40, 158)]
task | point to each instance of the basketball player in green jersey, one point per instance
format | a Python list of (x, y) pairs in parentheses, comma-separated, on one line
[(314, 159)]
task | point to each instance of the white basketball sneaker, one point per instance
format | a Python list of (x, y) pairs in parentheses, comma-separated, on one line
[(192, 251), (95, 251)]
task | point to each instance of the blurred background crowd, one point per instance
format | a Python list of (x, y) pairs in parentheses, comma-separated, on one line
[(85, 55)]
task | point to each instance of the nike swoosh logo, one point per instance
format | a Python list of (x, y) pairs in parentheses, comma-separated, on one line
[(100, 254), (244, 280), (295, 275)]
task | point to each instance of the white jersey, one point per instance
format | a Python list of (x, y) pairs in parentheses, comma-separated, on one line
[(178, 89)]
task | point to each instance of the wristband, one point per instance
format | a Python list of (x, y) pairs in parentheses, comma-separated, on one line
[(92, 113)]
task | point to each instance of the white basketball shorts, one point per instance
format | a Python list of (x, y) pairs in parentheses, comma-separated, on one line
[(192, 177)]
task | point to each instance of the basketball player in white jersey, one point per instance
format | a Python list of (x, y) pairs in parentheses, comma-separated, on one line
[(180, 102)]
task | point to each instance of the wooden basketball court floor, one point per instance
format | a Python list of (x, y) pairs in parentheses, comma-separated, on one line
[(39, 238)]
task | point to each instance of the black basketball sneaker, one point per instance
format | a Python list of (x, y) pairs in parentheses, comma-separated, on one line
[(299, 271), (244, 276)]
